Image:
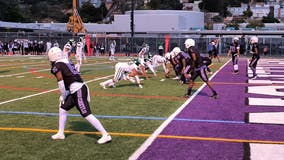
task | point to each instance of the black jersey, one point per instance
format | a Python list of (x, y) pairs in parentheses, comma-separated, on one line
[(255, 50), (198, 62), (183, 56), (234, 47), (69, 73)]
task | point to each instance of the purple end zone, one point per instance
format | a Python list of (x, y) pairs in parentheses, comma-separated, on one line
[(219, 115)]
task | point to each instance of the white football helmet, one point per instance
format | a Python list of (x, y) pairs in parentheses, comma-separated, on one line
[(55, 54), (176, 51), (168, 55), (235, 39), (67, 46), (79, 44), (189, 42), (253, 40)]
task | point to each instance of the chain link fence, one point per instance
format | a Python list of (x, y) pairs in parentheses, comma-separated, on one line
[(274, 44)]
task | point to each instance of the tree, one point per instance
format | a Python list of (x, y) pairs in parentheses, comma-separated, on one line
[(10, 11), (217, 19), (233, 24), (87, 12), (165, 4), (248, 13), (212, 6), (270, 17), (255, 24), (269, 20)]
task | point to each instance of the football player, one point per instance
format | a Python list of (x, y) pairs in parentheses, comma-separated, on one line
[(79, 55), (234, 51), (170, 57), (255, 55), (183, 62), (74, 92), (197, 68), (112, 50), (158, 60), (123, 70), (67, 50)]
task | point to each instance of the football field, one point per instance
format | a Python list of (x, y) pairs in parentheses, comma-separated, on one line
[(29, 107), (156, 115)]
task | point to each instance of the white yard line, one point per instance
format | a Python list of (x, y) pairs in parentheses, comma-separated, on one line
[(42, 70), (17, 74), (37, 94)]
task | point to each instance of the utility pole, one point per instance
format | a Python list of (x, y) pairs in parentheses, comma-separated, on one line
[(132, 25)]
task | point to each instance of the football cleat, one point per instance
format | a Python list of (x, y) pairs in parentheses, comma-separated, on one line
[(104, 139), (186, 96), (58, 136), (254, 77), (102, 84), (214, 95), (176, 78)]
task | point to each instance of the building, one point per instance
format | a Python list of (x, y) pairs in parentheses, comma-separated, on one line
[(144, 21), (160, 20)]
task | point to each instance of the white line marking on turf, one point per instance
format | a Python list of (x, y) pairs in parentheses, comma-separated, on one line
[(151, 139), (17, 74), (52, 90)]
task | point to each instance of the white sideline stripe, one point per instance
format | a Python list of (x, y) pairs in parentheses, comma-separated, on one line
[(33, 95), (267, 117), (150, 140), (266, 151)]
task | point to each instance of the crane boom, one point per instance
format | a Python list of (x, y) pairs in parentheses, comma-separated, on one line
[(75, 23)]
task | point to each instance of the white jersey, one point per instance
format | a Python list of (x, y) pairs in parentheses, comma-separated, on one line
[(158, 60), (66, 52), (123, 68), (79, 49), (112, 48), (142, 53)]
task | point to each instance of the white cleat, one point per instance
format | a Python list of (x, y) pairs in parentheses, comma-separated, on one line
[(176, 78), (140, 86), (102, 84), (104, 139), (58, 136)]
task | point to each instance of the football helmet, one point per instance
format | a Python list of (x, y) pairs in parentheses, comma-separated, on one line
[(67, 46), (235, 39), (55, 54), (176, 51), (189, 42), (79, 44), (253, 40), (168, 55)]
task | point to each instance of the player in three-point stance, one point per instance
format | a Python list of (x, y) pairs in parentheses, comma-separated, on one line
[(74, 92), (184, 62), (123, 70), (197, 68)]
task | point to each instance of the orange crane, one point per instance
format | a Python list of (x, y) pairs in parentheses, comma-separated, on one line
[(75, 23)]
